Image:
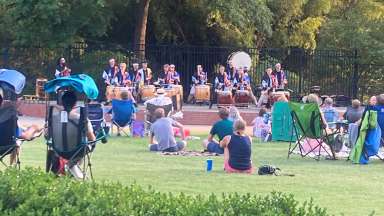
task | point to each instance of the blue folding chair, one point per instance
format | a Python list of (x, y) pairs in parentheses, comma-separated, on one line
[(96, 117), (122, 112)]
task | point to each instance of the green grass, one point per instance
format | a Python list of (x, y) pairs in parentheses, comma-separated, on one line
[(337, 185)]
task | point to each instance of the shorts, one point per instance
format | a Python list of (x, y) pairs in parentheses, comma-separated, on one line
[(214, 147), (229, 169), (180, 145)]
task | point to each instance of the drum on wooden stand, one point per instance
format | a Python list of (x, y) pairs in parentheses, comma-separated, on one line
[(147, 92), (224, 98), (242, 98), (178, 90), (114, 92), (202, 93)]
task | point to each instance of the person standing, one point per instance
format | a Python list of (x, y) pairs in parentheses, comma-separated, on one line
[(163, 75), (109, 72), (146, 73), (174, 76), (268, 83), (279, 74), (198, 78), (62, 70)]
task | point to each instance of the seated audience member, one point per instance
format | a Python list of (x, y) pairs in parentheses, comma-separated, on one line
[(372, 101), (221, 128), (160, 100), (69, 105), (162, 137), (330, 113), (354, 112), (26, 134), (237, 150), (234, 114), (261, 128), (313, 98)]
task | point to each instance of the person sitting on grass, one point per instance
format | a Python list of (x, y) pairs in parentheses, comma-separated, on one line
[(237, 150), (161, 134), (261, 126), (25, 134), (354, 112), (221, 128), (234, 114)]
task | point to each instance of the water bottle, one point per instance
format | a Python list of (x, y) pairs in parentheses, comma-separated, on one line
[(209, 165)]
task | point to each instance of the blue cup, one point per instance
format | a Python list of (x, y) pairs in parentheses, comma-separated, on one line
[(209, 165)]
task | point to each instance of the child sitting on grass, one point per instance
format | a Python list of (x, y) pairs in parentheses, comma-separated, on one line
[(261, 126)]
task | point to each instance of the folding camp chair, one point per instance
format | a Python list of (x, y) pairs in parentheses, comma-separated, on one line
[(96, 117), (8, 125), (122, 111), (309, 126), (68, 139), (149, 114)]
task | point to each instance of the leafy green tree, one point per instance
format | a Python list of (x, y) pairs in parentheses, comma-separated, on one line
[(53, 22)]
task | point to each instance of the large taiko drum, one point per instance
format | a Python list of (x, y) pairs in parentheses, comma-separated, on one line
[(178, 89), (202, 93), (170, 92), (224, 98), (114, 92), (147, 92), (242, 98)]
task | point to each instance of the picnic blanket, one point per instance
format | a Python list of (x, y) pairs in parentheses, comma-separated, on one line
[(190, 153)]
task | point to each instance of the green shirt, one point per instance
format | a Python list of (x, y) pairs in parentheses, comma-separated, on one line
[(222, 128)]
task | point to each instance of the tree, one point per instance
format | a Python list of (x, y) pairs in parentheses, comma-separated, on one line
[(141, 28), (53, 22)]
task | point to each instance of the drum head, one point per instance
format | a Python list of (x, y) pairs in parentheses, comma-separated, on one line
[(241, 59)]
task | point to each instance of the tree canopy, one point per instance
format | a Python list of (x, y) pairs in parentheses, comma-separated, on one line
[(309, 24)]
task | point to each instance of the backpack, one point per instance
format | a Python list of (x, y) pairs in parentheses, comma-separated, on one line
[(138, 128), (268, 170)]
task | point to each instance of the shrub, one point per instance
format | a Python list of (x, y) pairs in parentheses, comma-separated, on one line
[(33, 192)]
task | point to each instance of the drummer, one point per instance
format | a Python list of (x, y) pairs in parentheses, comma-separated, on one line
[(162, 78), (62, 69), (109, 73), (198, 78), (221, 80), (268, 83), (280, 76), (244, 83), (125, 78), (173, 75), (146, 73)]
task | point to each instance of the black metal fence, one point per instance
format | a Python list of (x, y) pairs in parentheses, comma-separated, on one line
[(337, 72)]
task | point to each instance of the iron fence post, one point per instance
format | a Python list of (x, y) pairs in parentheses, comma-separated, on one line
[(355, 77)]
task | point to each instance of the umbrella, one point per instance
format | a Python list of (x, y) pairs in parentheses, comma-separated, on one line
[(79, 82), (12, 78)]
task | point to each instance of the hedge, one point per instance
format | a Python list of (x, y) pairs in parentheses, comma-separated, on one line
[(33, 192)]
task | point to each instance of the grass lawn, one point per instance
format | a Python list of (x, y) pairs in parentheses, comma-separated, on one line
[(337, 185)]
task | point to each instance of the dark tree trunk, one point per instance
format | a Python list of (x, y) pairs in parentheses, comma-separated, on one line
[(141, 29)]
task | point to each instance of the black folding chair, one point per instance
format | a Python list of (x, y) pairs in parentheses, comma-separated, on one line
[(67, 139), (150, 117), (8, 126)]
